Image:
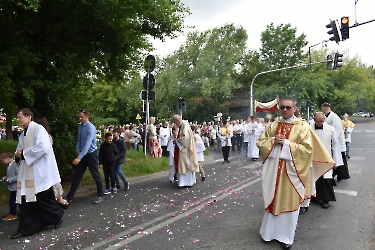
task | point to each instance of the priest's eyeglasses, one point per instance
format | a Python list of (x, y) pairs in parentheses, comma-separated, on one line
[(285, 107)]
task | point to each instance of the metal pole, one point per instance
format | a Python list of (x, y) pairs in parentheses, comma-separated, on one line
[(145, 142), (274, 70), (355, 11)]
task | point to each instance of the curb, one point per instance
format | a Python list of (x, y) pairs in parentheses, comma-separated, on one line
[(208, 159)]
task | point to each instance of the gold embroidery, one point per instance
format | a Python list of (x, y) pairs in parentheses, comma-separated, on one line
[(29, 183), (284, 129)]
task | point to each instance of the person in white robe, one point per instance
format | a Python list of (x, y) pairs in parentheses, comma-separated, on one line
[(170, 147), (37, 174), (245, 135), (342, 172), (164, 135), (253, 130), (199, 149), (322, 188), (185, 156), (327, 135)]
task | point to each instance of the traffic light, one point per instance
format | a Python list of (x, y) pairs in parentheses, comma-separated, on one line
[(329, 62), (338, 61), (332, 25), (181, 103), (344, 28)]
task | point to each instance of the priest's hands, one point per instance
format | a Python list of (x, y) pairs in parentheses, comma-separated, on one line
[(279, 139)]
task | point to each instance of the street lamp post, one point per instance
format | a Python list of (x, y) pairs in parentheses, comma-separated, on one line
[(270, 71)]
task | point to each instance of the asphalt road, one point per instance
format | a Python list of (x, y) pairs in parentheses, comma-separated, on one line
[(224, 212)]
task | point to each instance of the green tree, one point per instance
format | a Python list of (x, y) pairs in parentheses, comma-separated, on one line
[(55, 50), (281, 47), (205, 66)]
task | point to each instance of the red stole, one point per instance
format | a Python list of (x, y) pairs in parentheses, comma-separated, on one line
[(176, 154)]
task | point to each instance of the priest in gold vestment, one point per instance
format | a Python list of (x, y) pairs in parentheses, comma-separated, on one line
[(187, 162), (288, 147)]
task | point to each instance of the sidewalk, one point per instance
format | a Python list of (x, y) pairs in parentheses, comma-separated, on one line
[(81, 192)]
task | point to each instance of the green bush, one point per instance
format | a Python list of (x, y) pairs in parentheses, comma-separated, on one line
[(9, 146)]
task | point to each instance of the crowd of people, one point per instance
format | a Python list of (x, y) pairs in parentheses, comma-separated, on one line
[(301, 161)]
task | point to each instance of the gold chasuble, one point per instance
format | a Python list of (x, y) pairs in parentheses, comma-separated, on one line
[(289, 169)]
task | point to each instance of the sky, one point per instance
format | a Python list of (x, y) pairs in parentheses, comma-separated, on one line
[(308, 17)]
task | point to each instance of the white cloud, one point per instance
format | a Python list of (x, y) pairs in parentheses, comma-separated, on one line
[(309, 17)]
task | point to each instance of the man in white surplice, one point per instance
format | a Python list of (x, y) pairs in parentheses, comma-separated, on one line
[(253, 131), (164, 134), (328, 136), (38, 173)]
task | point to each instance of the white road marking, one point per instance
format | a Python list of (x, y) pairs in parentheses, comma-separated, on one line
[(352, 193)]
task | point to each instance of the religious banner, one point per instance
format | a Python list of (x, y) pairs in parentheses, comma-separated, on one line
[(266, 107)]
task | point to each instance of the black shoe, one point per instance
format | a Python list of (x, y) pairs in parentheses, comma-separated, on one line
[(118, 186), (303, 210), (17, 236), (175, 177), (325, 205), (203, 178), (62, 205), (348, 156), (286, 246), (68, 200), (60, 222), (126, 186), (228, 161)]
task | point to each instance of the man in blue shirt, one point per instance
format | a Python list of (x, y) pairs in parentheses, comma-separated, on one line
[(86, 156)]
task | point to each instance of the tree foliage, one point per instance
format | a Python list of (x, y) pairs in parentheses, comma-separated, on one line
[(55, 50)]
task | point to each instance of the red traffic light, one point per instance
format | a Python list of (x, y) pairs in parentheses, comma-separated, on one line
[(344, 28), (344, 20)]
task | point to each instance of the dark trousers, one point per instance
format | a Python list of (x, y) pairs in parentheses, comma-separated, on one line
[(165, 152), (90, 160), (239, 141), (109, 172), (246, 145), (12, 202), (225, 151), (342, 172), (234, 142), (34, 216)]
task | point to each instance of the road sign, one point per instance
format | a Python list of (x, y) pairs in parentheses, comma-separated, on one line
[(151, 95), (150, 80), (149, 63), (138, 117)]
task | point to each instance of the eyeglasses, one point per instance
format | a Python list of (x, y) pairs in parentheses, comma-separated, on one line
[(285, 107)]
